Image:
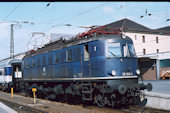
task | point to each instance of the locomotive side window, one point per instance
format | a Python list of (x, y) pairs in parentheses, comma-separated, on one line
[(25, 64), (50, 58), (86, 53), (62, 56), (44, 60), (131, 50), (38, 61), (76, 54), (114, 50), (33, 62), (29, 62), (128, 50), (56, 57), (69, 55), (125, 50)]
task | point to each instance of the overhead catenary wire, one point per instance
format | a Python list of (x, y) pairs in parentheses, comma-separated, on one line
[(71, 14), (12, 11), (80, 13), (158, 23), (40, 10), (71, 18), (122, 6)]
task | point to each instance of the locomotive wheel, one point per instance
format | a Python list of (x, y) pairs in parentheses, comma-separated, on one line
[(100, 100), (136, 100), (143, 102)]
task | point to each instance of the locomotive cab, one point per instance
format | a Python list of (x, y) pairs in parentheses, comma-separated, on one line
[(121, 58)]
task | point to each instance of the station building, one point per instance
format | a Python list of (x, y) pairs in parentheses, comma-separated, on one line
[(152, 47)]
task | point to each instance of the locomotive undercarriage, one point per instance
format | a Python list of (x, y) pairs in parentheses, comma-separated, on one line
[(98, 93), (122, 96)]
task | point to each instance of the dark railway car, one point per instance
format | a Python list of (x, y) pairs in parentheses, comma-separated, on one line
[(102, 69)]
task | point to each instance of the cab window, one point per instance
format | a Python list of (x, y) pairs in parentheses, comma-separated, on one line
[(128, 50), (113, 50)]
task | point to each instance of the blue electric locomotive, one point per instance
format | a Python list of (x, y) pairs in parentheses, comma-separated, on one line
[(101, 68)]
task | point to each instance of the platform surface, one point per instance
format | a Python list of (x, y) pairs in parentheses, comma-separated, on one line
[(159, 97), (159, 86), (6, 109)]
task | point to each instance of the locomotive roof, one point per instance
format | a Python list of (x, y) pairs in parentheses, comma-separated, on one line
[(9, 62), (60, 44)]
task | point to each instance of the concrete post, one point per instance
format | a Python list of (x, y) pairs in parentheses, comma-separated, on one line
[(157, 69)]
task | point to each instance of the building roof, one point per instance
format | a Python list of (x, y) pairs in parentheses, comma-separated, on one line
[(131, 26), (164, 28), (128, 25)]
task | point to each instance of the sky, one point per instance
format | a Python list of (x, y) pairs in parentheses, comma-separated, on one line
[(53, 17)]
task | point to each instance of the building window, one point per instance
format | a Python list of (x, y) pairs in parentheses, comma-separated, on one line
[(135, 37), (157, 40), (143, 39), (144, 51), (157, 50)]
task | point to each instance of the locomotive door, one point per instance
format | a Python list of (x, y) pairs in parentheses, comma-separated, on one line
[(86, 61), (16, 71)]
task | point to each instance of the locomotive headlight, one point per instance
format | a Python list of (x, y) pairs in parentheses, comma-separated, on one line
[(137, 71), (113, 72)]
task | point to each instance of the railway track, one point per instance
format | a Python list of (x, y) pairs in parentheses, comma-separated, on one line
[(21, 108), (130, 109), (137, 109), (50, 105)]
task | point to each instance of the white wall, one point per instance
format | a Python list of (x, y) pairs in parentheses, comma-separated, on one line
[(150, 43)]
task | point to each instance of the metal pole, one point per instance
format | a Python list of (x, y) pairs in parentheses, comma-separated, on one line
[(34, 96), (12, 93), (12, 42), (157, 69)]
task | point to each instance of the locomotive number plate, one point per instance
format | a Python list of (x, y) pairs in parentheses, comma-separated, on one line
[(127, 73)]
